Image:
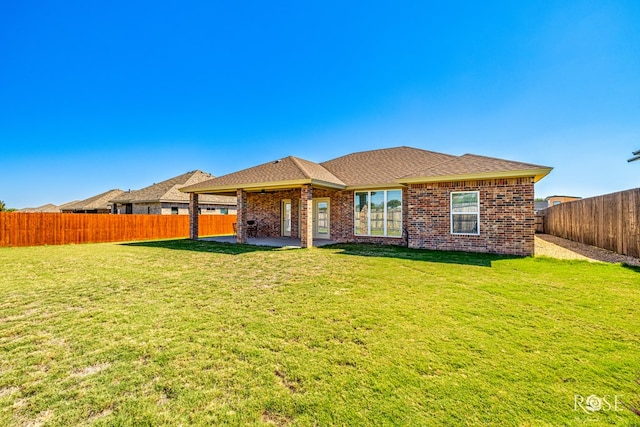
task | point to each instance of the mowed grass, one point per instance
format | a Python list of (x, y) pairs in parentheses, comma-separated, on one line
[(199, 333)]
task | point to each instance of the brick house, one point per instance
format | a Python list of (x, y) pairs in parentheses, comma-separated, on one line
[(96, 204), (402, 196), (556, 200), (165, 198)]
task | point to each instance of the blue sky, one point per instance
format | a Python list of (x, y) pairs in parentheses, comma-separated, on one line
[(102, 95)]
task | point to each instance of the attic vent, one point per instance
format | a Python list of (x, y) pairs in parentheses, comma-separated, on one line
[(277, 161)]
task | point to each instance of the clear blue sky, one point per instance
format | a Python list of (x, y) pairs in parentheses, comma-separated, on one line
[(122, 94)]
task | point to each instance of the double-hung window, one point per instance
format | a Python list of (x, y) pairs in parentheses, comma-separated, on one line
[(465, 212), (378, 213)]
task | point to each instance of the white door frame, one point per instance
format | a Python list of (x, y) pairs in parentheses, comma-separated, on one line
[(316, 234), (285, 216)]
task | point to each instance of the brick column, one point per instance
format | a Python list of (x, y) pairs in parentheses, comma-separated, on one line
[(193, 216), (241, 226), (306, 216)]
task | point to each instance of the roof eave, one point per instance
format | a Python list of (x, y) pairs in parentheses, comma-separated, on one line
[(258, 186), (389, 185), (202, 202), (537, 175), (136, 201), (327, 184)]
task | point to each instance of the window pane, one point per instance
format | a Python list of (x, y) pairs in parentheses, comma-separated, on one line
[(323, 218), (394, 213), (377, 213), (465, 223), (464, 202), (361, 214)]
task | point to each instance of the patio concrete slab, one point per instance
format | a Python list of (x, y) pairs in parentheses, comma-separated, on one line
[(276, 242)]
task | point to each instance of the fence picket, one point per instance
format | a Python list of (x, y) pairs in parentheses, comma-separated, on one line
[(34, 229), (610, 221)]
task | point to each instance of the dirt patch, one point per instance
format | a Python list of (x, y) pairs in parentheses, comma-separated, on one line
[(273, 418), (6, 391), (557, 247), (89, 370), (40, 420)]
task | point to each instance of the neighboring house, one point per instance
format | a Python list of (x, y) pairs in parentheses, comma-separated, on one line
[(403, 196), (538, 206), (164, 198), (48, 208), (95, 204), (556, 200)]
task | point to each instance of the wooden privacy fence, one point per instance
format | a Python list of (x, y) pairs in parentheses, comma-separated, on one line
[(611, 221), (34, 229)]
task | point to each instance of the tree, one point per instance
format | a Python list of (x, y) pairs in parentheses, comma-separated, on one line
[(3, 207), (392, 204)]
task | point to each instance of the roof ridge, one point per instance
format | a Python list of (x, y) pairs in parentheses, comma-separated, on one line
[(387, 149), (296, 161)]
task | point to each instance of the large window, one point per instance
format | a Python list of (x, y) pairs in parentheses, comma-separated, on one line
[(378, 213), (465, 212)]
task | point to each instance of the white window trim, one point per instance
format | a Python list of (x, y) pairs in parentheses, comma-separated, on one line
[(355, 233), (451, 214)]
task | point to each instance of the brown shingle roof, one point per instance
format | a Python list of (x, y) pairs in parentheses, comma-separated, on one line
[(288, 169), (472, 164), (384, 166), (49, 208), (97, 202), (169, 191), (315, 171)]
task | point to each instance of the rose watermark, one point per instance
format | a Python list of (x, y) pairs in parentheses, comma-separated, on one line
[(594, 403)]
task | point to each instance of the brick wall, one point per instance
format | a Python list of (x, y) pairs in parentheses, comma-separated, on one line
[(265, 209), (507, 219)]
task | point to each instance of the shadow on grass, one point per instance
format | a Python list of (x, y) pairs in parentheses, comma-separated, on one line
[(400, 252), (634, 268), (201, 246), (354, 249)]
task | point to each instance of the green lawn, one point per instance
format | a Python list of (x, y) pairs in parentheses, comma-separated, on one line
[(198, 333)]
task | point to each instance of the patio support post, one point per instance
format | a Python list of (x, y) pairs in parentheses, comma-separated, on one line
[(306, 216), (193, 216), (241, 226)]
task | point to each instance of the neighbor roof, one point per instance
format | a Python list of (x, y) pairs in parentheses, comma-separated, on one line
[(568, 197), (369, 169), (169, 191), (98, 202), (49, 208)]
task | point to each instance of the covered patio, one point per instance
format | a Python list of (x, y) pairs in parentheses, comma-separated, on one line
[(282, 203)]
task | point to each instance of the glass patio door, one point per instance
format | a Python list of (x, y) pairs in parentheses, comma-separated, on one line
[(321, 225), (286, 218)]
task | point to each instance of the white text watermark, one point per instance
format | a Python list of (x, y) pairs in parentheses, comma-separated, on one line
[(594, 403)]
